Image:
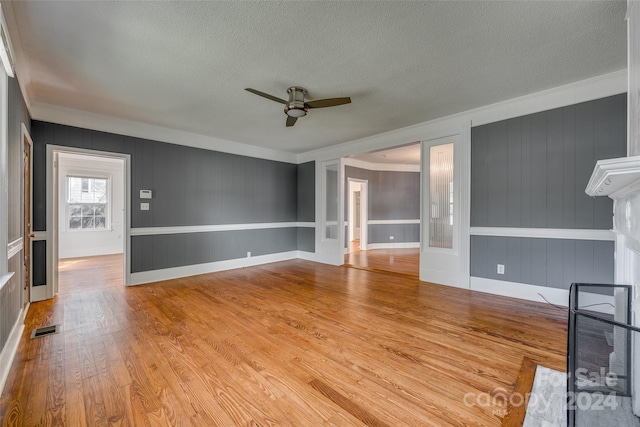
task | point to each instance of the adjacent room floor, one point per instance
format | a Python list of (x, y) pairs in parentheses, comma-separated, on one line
[(400, 261), (290, 343)]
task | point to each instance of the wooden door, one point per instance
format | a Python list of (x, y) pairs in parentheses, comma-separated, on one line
[(28, 233)]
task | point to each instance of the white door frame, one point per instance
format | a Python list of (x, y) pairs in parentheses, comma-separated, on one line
[(329, 250), (364, 210), (52, 211), (438, 265)]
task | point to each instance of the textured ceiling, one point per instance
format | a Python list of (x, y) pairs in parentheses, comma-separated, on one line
[(405, 155), (184, 65)]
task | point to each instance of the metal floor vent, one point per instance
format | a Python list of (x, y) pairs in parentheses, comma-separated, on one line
[(44, 331)]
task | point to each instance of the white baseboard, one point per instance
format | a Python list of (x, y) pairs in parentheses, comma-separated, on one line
[(599, 303), (39, 293), (11, 348), (87, 252), (398, 245), (307, 256), (444, 278), (210, 267)]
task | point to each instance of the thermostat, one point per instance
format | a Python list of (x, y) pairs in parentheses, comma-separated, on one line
[(145, 194)]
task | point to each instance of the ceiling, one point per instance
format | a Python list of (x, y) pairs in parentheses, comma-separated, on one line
[(184, 65), (404, 155)]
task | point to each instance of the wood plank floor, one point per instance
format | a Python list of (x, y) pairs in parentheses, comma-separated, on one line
[(293, 343), (399, 261)]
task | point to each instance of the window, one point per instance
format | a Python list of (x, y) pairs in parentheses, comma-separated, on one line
[(441, 196), (87, 203)]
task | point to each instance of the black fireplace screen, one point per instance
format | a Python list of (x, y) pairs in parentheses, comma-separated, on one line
[(599, 359)]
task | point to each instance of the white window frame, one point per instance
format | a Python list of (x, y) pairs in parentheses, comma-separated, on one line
[(67, 210)]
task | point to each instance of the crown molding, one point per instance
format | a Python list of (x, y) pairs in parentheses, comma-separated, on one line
[(615, 178), (86, 120)]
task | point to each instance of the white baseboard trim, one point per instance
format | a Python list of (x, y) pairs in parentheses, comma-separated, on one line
[(87, 252), (392, 221), (10, 349), (210, 267), (307, 256), (603, 303), (444, 278), (520, 290), (398, 245)]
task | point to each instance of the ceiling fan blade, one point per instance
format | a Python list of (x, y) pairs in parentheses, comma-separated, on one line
[(291, 121), (329, 102), (266, 95)]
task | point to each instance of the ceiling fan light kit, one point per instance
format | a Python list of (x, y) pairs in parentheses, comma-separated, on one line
[(296, 107)]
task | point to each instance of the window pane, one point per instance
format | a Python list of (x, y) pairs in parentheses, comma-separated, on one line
[(100, 222), (74, 223), (441, 196), (75, 210), (100, 210), (87, 210), (87, 222)]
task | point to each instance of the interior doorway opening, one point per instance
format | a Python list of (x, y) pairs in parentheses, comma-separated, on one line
[(89, 221), (383, 208)]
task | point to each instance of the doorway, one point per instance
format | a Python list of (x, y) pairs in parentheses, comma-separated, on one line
[(383, 210), (89, 230), (357, 214)]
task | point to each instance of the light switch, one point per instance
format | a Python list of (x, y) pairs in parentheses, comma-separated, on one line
[(146, 194), (144, 206)]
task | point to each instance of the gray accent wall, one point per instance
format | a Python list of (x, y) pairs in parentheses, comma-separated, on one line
[(531, 172), (177, 250), (554, 263), (190, 186), (392, 196)]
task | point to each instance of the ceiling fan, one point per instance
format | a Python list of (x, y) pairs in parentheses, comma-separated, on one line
[(296, 106)]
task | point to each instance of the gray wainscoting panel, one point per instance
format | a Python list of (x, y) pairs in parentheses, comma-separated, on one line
[(10, 296), (402, 233), (39, 262), (306, 239), (156, 252), (307, 192), (554, 263), (531, 171)]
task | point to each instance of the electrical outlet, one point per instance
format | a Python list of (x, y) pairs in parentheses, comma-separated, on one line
[(500, 268), (391, 237), (248, 254), (144, 206)]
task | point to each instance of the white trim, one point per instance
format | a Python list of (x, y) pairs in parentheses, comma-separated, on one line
[(10, 348), (52, 216), (532, 293), (396, 245), (392, 221), (210, 267), (86, 120), (6, 52), (307, 256), (381, 167), (4, 279), (14, 247), (545, 233), (184, 229), (573, 93), (615, 178)]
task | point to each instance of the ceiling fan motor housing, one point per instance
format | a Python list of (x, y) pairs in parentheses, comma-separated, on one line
[(296, 107)]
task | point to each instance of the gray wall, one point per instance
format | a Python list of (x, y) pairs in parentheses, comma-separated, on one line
[(306, 236), (531, 172), (11, 294), (190, 187), (391, 196)]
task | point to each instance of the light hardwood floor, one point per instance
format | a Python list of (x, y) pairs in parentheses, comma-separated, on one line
[(399, 261), (291, 343)]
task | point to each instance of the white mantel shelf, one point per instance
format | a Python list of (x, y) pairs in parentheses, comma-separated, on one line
[(615, 177)]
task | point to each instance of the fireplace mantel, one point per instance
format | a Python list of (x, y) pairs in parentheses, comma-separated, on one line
[(616, 178)]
